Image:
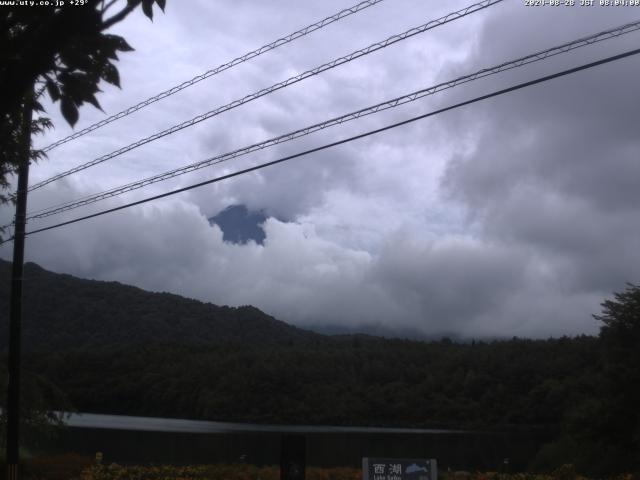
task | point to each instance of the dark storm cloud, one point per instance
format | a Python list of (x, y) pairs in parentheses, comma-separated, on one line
[(511, 217), (555, 167), (451, 282)]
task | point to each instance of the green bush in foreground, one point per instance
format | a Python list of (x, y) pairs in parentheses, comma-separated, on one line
[(210, 472), (250, 472)]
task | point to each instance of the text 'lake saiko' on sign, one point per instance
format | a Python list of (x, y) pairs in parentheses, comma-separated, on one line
[(399, 469)]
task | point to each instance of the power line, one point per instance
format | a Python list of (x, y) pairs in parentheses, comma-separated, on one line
[(346, 140), (388, 104), (220, 68), (265, 91)]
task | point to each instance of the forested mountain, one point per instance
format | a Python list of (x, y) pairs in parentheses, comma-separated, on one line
[(64, 312), (112, 348)]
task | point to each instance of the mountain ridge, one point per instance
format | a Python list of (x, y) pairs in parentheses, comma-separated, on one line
[(63, 311)]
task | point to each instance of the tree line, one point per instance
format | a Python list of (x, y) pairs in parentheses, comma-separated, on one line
[(103, 347)]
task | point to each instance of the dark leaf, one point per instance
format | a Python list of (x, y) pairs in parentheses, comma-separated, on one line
[(94, 101), (37, 106), (76, 58), (41, 124), (78, 86), (147, 8), (36, 155), (110, 74), (161, 4), (118, 43), (69, 111), (54, 91)]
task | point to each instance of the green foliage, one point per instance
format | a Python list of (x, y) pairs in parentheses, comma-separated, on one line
[(63, 312), (210, 472), (57, 467), (250, 472), (41, 406), (117, 349), (64, 48), (619, 415), (621, 316), (12, 130), (601, 432), (63, 51), (382, 382)]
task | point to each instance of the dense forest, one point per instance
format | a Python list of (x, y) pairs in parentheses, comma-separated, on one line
[(64, 312), (109, 348)]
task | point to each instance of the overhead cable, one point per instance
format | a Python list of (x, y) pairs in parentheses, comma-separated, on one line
[(266, 91), (340, 142), (220, 68), (388, 104)]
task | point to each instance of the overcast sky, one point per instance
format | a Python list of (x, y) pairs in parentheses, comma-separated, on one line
[(515, 216)]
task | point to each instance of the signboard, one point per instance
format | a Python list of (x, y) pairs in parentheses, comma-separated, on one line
[(399, 469), (293, 457)]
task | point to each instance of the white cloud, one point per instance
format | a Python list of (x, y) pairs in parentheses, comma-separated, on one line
[(491, 220)]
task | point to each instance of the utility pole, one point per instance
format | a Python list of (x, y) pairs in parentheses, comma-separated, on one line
[(15, 306)]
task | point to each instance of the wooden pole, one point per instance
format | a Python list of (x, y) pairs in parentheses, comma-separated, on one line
[(15, 306)]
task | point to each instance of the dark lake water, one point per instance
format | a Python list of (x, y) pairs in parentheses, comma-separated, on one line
[(159, 440)]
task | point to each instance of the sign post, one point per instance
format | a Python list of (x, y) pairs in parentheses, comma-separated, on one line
[(293, 457), (399, 469)]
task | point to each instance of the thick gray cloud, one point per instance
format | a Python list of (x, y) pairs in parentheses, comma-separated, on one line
[(510, 217), (555, 167)]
